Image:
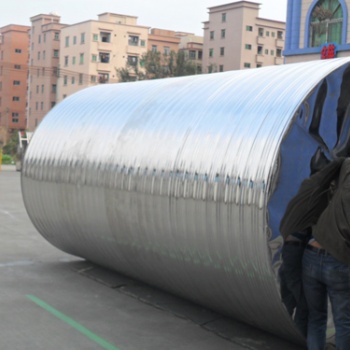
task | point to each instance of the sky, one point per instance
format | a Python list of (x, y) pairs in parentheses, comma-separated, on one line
[(177, 15)]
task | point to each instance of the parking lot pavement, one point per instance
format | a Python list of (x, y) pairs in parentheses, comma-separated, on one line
[(51, 300)]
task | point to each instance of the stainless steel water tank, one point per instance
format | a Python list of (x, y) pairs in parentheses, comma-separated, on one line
[(182, 182)]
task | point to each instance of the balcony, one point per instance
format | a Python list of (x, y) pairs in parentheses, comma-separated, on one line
[(279, 60), (259, 58), (279, 43), (104, 46), (260, 40)]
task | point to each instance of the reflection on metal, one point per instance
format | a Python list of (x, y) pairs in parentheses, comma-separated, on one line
[(182, 182)]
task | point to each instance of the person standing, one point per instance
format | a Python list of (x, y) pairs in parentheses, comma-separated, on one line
[(326, 267)]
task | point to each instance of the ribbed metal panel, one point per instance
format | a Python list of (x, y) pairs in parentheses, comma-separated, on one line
[(182, 182)]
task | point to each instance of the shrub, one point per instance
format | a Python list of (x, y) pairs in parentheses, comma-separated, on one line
[(6, 159)]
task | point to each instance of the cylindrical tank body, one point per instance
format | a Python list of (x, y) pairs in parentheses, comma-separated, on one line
[(182, 182)]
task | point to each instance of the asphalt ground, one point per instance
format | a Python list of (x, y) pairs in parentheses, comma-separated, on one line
[(50, 300)]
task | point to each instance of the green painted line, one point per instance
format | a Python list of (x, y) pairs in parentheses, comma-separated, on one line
[(103, 343)]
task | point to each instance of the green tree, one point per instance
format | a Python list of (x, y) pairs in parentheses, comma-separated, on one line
[(155, 65), (11, 145)]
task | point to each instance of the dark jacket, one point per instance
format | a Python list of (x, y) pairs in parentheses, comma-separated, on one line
[(332, 229), (305, 208)]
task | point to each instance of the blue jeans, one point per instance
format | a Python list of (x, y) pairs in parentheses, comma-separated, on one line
[(325, 276)]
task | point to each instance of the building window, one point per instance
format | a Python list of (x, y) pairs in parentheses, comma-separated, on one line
[(249, 28), (42, 105), (133, 40), (223, 33), (44, 37), (221, 68), (104, 57), (65, 80), (222, 51), (132, 60), (261, 31), (42, 88), (55, 53), (223, 17), (246, 65), (16, 82), (266, 51), (267, 33), (273, 34), (212, 35), (38, 55), (82, 38), (326, 23), (36, 106), (74, 60), (73, 80), (15, 98), (15, 117), (93, 58), (37, 89), (81, 58), (57, 36), (105, 37), (17, 66), (93, 78), (154, 48), (54, 88), (272, 52), (166, 51), (260, 50), (103, 78), (66, 59), (248, 46), (74, 40), (211, 52), (278, 52), (142, 43), (53, 103), (18, 51), (44, 55), (192, 54), (67, 41), (94, 37), (280, 34), (80, 78)]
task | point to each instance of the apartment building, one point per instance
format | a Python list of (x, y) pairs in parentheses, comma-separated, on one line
[(163, 41), (235, 37), (317, 30), (92, 51), (192, 45), (43, 66), (14, 44)]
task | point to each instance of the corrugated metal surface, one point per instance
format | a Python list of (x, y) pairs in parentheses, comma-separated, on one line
[(182, 182)]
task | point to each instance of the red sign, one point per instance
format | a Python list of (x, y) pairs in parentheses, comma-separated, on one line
[(328, 51)]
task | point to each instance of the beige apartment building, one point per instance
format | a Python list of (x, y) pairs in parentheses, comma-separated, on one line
[(317, 30), (235, 37), (43, 66), (14, 44), (163, 41), (92, 51), (192, 45)]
